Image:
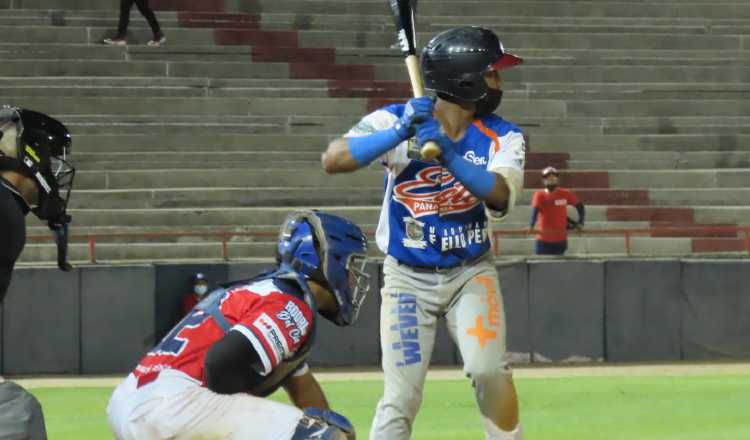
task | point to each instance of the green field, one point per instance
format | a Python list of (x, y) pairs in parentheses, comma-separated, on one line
[(574, 408)]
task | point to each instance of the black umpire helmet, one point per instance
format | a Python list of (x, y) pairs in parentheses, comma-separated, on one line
[(42, 146), (454, 63)]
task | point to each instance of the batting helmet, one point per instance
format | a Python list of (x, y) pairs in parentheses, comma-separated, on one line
[(454, 63), (330, 250)]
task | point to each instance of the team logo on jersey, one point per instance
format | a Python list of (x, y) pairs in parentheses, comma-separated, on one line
[(414, 230), (294, 321), (474, 158), (434, 191), (273, 336)]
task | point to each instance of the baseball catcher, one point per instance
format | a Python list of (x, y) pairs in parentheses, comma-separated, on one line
[(208, 377)]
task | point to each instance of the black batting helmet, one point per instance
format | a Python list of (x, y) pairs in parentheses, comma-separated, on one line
[(454, 62)]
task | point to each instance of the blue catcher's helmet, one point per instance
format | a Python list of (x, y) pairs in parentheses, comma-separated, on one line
[(330, 250)]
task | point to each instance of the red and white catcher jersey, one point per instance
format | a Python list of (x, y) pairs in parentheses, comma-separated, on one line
[(275, 323)]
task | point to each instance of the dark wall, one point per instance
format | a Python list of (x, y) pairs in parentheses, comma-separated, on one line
[(117, 317), (41, 322), (101, 319), (716, 309), (567, 310), (643, 312)]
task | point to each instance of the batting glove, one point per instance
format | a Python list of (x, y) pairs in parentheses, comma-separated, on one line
[(415, 111), (430, 130)]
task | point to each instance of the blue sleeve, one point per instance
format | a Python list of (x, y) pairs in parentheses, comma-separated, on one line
[(365, 149), (581, 213), (476, 179), (534, 215)]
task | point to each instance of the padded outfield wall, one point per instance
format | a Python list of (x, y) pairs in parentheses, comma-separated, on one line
[(101, 319)]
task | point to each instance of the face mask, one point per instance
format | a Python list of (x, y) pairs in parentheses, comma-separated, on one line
[(551, 187), (200, 290), (490, 102)]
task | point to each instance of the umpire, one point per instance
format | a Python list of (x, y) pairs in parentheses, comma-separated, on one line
[(34, 176)]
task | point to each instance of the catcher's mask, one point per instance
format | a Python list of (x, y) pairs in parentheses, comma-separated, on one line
[(332, 251)]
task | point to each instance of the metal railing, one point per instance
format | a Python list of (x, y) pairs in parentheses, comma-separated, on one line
[(225, 237)]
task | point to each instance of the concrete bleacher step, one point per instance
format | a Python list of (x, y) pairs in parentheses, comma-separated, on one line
[(182, 218), (292, 196), (314, 178)]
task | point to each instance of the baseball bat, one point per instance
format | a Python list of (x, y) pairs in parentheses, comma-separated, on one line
[(403, 15)]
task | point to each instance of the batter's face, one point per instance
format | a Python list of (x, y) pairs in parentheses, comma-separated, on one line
[(493, 79)]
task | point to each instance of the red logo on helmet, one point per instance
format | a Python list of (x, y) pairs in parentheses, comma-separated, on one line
[(434, 191)]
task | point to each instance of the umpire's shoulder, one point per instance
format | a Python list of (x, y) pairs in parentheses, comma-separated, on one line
[(499, 125)]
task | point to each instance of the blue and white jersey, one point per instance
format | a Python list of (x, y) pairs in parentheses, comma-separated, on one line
[(429, 218)]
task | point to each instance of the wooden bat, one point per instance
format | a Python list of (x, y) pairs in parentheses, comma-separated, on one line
[(403, 15)]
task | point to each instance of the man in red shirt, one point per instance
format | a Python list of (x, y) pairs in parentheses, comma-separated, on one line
[(551, 207)]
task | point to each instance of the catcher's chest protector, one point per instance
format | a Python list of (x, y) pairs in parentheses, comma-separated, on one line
[(21, 415)]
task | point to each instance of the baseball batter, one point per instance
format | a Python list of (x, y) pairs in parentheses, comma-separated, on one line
[(207, 378), (434, 226)]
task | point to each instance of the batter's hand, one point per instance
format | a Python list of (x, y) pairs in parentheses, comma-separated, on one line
[(430, 130), (416, 110)]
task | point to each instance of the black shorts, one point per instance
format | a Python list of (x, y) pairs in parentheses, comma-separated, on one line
[(12, 236), (551, 247)]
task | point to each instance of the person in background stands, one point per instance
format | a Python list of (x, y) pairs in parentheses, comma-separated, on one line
[(550, 205), (121, 38), (200, 287)]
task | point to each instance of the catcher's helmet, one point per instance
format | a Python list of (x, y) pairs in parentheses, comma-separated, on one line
[(330, 250), (454, 62)]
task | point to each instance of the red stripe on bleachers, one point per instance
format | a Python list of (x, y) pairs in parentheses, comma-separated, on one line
[(612, 196), (330, 71), (645, 213), (255, 37), (718, 245), (539, 161), (356, 88), (671, 229), (188, 5), (216, 20), (270, 54), (570, 179)]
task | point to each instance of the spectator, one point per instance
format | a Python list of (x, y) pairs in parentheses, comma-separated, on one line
[(121, 38), (550, 206), (200, 287)]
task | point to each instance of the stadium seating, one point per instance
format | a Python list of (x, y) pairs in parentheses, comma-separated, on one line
[(641, 105)]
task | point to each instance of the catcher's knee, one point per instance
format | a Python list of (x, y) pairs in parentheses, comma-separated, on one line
[(320, 424)]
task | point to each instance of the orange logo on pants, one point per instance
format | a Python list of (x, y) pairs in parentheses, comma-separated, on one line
[(483, 334), (493, 314)]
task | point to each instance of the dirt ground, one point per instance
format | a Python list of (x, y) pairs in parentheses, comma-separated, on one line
[(524, 371)]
